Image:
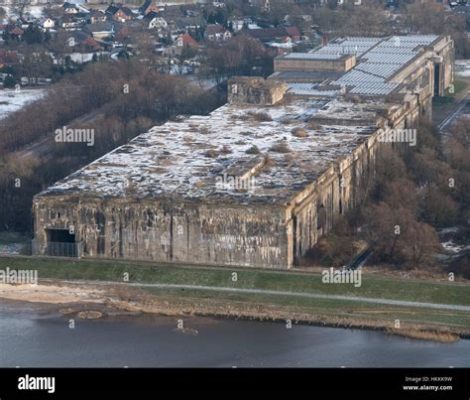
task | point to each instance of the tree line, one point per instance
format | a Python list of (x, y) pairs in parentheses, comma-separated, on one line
[(416, 192), (117, 100)]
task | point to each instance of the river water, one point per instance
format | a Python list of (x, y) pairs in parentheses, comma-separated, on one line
[(31, 336)]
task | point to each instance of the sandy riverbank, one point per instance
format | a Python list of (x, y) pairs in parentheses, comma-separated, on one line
[(90, 302), (53, 294)]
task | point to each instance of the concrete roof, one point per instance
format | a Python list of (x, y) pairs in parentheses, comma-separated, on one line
[(184, 159)]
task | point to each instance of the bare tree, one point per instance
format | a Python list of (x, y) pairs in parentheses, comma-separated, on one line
[(19, 7)]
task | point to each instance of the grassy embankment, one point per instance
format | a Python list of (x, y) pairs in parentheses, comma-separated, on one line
[(275, 306)]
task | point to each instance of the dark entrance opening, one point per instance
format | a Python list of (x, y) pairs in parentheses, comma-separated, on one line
[(437, 80), (101, 225), (60, 235), (294, 238), (61, 243), (321, 218)]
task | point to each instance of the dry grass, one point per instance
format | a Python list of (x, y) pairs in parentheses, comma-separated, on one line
[(414, 333), (268, 162), (281, 147), (211, 153), (299, 132), (166, 161), (225, 149), (287, 121), (259, 116), (158, 170), (313, 125), (90, 314), (289, 158)]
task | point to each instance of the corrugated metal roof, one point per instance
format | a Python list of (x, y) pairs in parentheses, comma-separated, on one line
[(379, 69), (348, 45), (382, 59)]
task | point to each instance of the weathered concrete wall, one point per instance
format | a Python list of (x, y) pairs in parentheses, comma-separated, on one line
[(305, 64), (444, 56), (255, 90), (167, 231), (313, 212), (429, 75)]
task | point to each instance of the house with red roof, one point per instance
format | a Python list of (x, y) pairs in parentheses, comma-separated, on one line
[(186, 39), (8, 57), (294, 33)]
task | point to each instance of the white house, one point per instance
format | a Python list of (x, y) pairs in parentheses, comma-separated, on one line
[(48, 23), (70, 8), (70, 25), (158, 23), (237, 24), (217, 32)]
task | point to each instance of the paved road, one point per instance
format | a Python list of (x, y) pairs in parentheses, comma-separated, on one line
[(401, 303), (451, 118)]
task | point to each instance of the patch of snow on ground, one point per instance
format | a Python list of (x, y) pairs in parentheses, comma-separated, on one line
[(462, 68), (11, 248), (12, 100), (452, 247), (81, 58), (452, 229)]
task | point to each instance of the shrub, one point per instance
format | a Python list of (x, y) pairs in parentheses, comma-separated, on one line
[(225, 149), (211, 153), (281, 147), (253, 150), (299, 132), (9, 82), (260, 116)]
